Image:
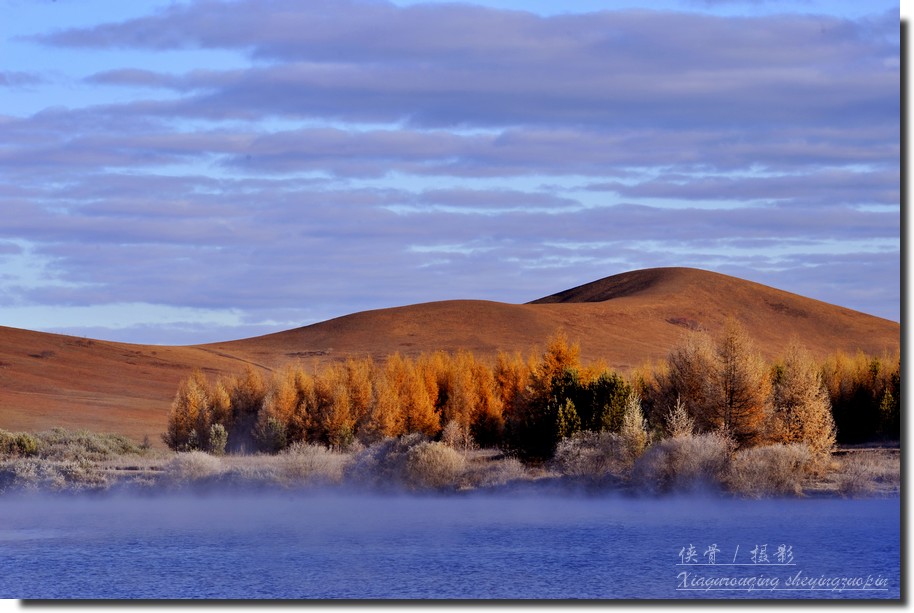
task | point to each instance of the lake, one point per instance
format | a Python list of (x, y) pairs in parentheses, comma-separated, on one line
[(350, 545)]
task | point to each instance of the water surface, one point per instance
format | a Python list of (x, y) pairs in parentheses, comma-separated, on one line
[(350, 545)]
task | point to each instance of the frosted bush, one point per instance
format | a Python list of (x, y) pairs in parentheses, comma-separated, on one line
[(20, 475), (307, 463), (684, 463), (769, 471), (193, 465), (251, 471), (678, 422), (591, 455), (457, 437), (33, 474), (434, 465), (82, 474), (500, 472), (633, 433), (18, 444), (383, 464), (860, 474), (62, 444)]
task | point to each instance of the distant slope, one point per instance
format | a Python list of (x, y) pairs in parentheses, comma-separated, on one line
[(49, 380), (636, 283), (626, 320)]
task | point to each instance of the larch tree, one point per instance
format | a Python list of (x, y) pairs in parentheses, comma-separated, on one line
[(487, 421), (221, 404), (678, 423), (687, 378), (407, 389), (633, 433), (384, 418), (741, 385), (724, 385), (359, 380), (336, 425), (248, 393), (189, 418), (277, 412), (532, 428), (511, 375), (801, 408)]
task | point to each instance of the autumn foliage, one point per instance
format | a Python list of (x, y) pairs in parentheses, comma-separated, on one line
[(528, 405)]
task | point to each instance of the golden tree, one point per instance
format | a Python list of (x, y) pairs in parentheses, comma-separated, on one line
[(487, 420), (403, 404), (687, 379), (560, 356), (335, 422), (724, 385), (221, 404), (384, 418), (189, 418), (285, 413), (801, 409), (359, 381), (740, 387), (511, 375)]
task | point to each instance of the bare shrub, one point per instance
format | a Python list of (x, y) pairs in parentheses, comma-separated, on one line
[(633, 435), (433, 465), (678, 422), (307, 463), (259, 470), (457, 436), (591, 455), (218, 439), (270, 434), (33, 474), (382, 464), (192, 466), (865, 473), (771, 470), (499, 472), (61, 444), (856, 479), (21, 475), (18, 444), (684, 463), (82, 474)]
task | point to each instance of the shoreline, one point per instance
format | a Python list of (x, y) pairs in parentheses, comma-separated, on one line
[(487, 472)]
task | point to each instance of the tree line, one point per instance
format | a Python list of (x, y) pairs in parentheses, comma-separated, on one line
[(527, 405)]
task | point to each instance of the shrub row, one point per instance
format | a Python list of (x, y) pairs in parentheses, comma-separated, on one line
[(65, 445), (527, 406)]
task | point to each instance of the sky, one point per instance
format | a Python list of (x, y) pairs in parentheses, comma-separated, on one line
[(194, 171)]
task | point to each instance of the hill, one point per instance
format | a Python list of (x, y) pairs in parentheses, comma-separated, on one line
[(626, 320)]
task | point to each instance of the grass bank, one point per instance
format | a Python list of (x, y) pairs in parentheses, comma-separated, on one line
[(68, 462)]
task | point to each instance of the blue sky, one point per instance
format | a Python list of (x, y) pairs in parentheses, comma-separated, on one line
[(195, 171)]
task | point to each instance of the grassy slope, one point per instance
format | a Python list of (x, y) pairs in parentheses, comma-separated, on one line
[(48, 380)]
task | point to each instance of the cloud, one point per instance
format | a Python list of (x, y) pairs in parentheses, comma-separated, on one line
[(453, 65), (366, 155), (17, 79), (828, 187), (205, 243), (135, 77), (127, 138)]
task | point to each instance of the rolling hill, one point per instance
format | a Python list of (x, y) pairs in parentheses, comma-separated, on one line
[(48, 380)]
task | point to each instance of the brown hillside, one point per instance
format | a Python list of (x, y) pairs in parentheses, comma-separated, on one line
[(627, 319)]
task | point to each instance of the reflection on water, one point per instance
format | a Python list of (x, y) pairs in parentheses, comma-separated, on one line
[(350, 545)]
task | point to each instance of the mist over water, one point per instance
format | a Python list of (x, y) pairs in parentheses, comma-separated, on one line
[(345, 544)]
